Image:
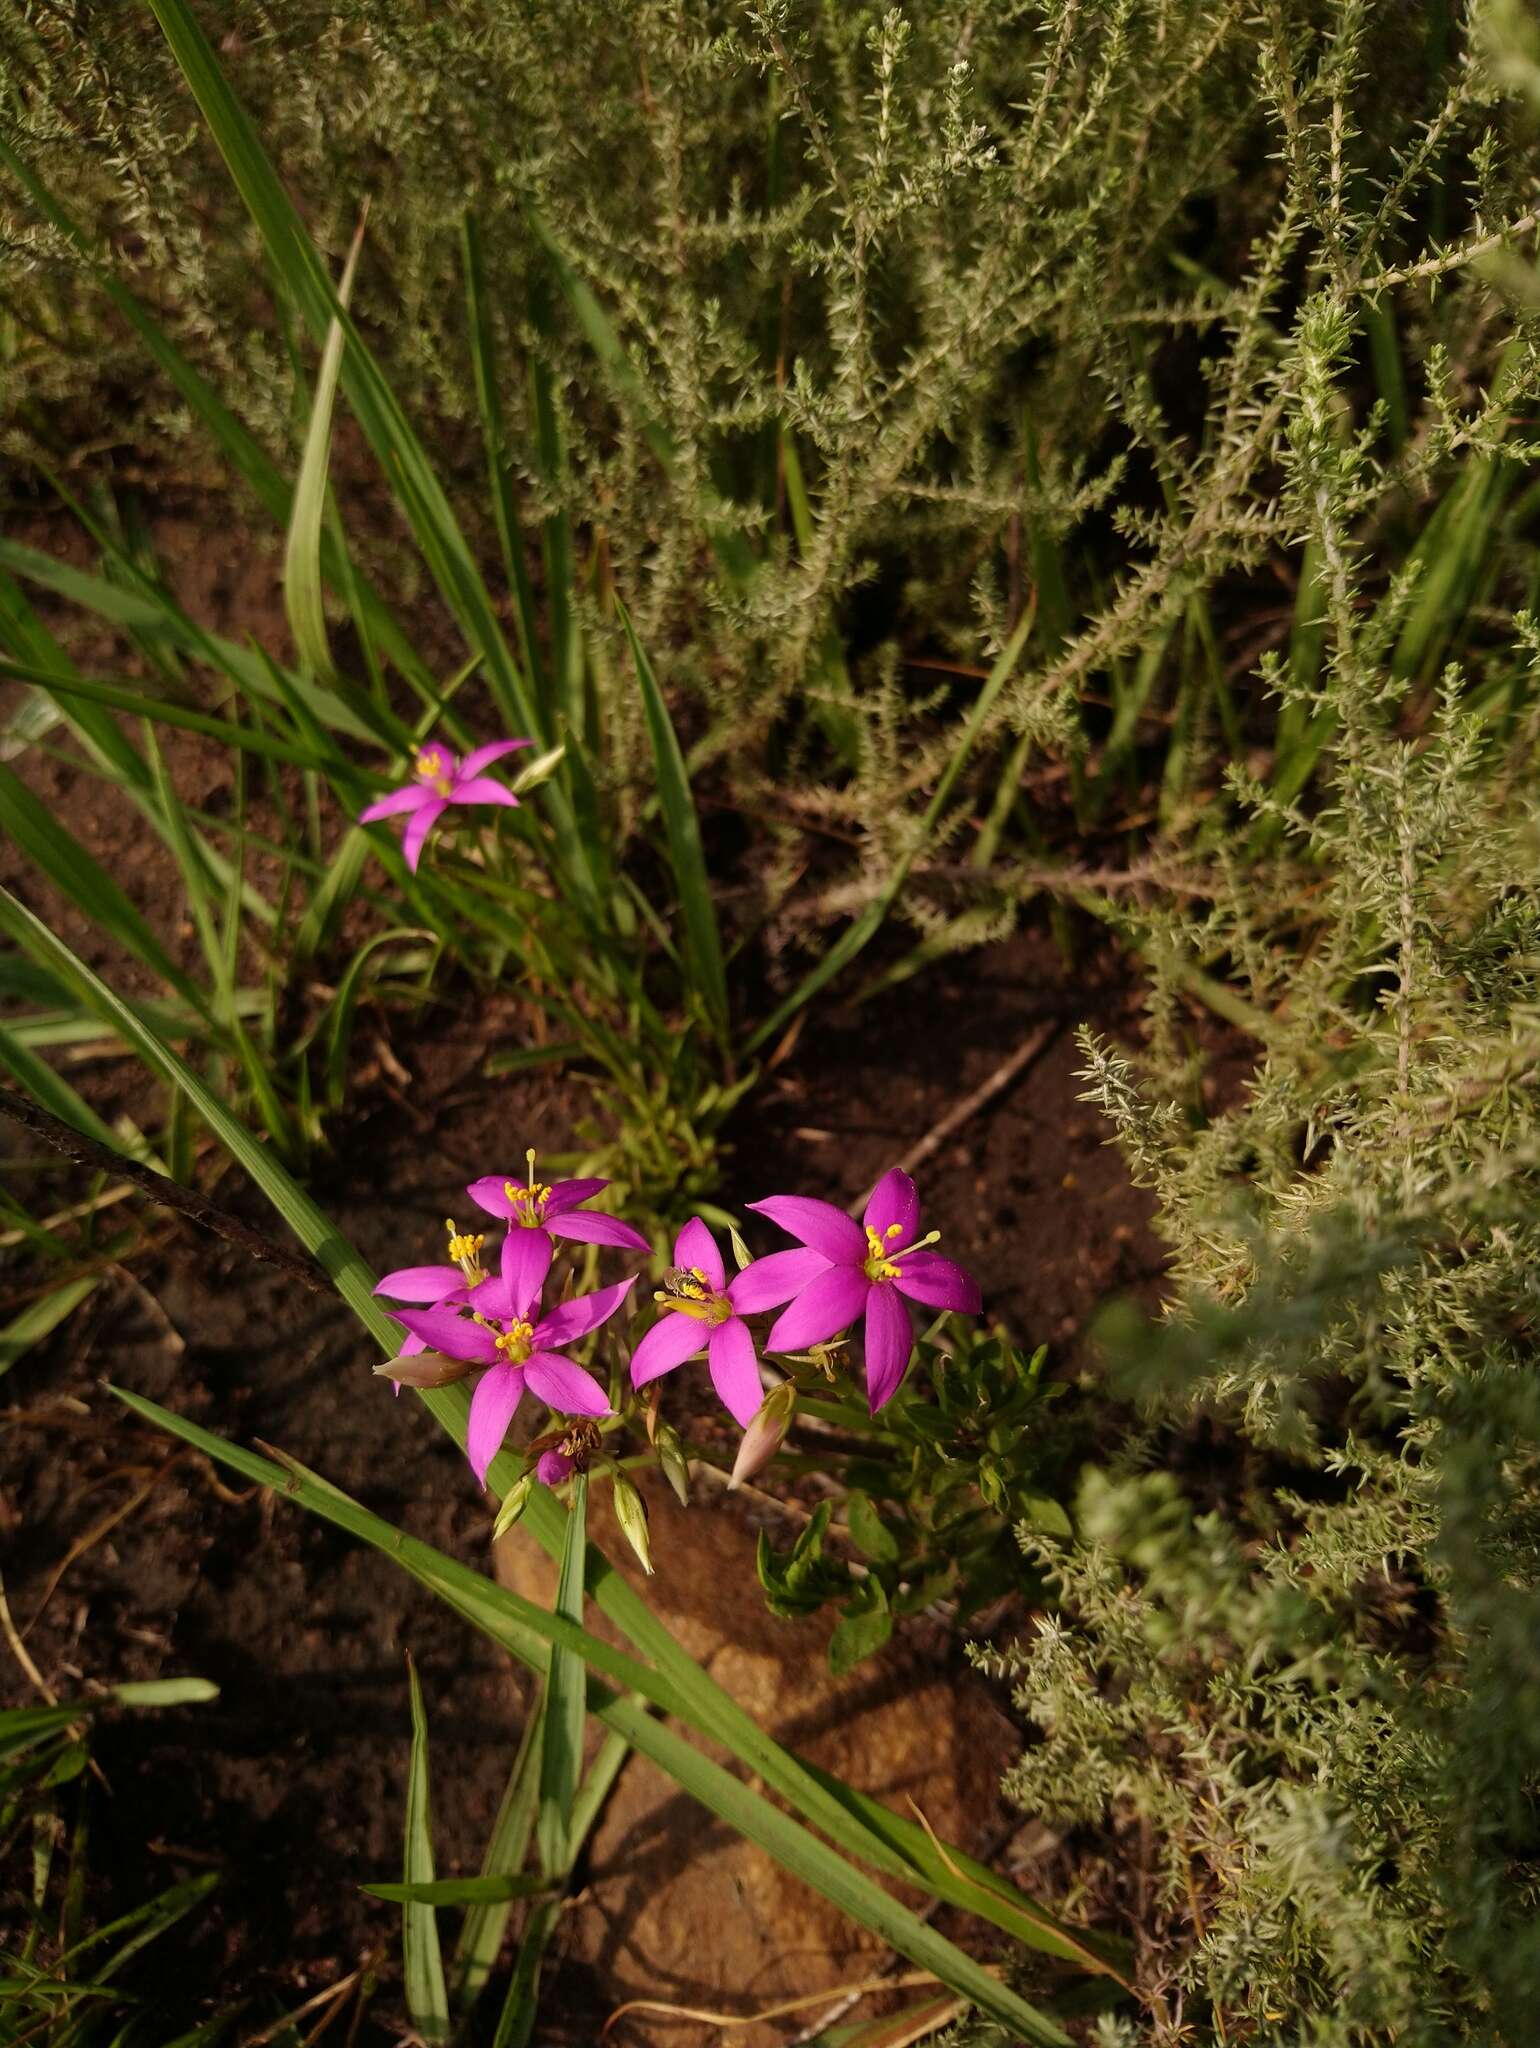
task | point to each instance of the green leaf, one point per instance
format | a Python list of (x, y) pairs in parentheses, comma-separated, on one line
[(41, 1317), (459, 1891), (482, 1930), (165, 1692), (868, 1533), (302, 553), (561, 1750), (1041, 1512), (862, 1629), (703, 945), (426, 1998)]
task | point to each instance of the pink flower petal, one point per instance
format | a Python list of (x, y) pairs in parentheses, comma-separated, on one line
[(553, 1468), (412, 798), (482, 757), (526, 1259), (482, 789), (938, 1282), (735, 1371), (695, 1246), (410, 1346), (564, 1386), (818, 1224), (769, 1282), (574, 1319), (418, 828), (453, 1334), (421, 1283), (497, 1394), (828, 1304), (487, 1193), (566, 1194), (894, 1201), (889, 1341), (490, 1298), (589, 1229), (667, 1344)]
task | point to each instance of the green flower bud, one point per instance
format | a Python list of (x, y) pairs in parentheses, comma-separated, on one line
[(765, 1434), (425, 1369), (515, 1500), (675, 1465), (631, 1513)]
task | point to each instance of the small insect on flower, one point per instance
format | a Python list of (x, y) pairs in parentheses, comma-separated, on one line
[(439, 781)]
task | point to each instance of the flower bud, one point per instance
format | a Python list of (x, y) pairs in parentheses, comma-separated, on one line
[(631, 1513), (675, 1465), (515, 1500), (425, 1369), (765, 1434)]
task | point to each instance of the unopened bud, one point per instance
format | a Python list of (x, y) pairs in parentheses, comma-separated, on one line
[(425, 1369), (515, 1501), (631, 1513), (765, 1434), (675, 1465)]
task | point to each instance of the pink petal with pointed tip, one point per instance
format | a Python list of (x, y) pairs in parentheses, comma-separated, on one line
[(695, 1246), (894, 1201), (497, 1395), (482, 789), (566, 1194), (412, 798), (420, 1283), (410, 1346), (526, 1259), (491, 1298), (563, 1385), (455, 1335), (487, 1193), (482, 757), (769, 1282), (667, 1344), (574, 1319), (418, 828), (938, 1282), (828, 1304), (735, 1371), (817, 1224), (889, 1341), (591, 1229)]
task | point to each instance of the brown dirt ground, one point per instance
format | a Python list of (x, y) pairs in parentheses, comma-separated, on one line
[(292, 1783)]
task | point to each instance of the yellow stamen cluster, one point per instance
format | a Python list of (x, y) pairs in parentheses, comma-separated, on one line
[(432, 767), (516, 1342), (465, 1251), (530, 1200), (878, 1265)]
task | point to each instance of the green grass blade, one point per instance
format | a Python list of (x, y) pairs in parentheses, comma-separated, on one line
[(459, 1891), (858, 935), (41, 1318), (302, 596), (426, 1998), (519, 1626), (561, 1746), (483, 1928), (703, 944)]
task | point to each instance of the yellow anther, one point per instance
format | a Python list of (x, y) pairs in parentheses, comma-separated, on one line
[(878, 1265), (530, 1201), (514, 1342), (431, 767), (894, 1230)]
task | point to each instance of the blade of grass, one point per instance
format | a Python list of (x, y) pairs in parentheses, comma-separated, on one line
[(483, 1928), (302, 596), (703, 944), (426, 1998), (561, 1746), (859, 934), (520, 1625), (41, 1318)]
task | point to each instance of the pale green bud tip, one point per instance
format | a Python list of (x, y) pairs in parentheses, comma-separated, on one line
[(515, 1501), (765, 1434), (631, 1513), (675, 1465)]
